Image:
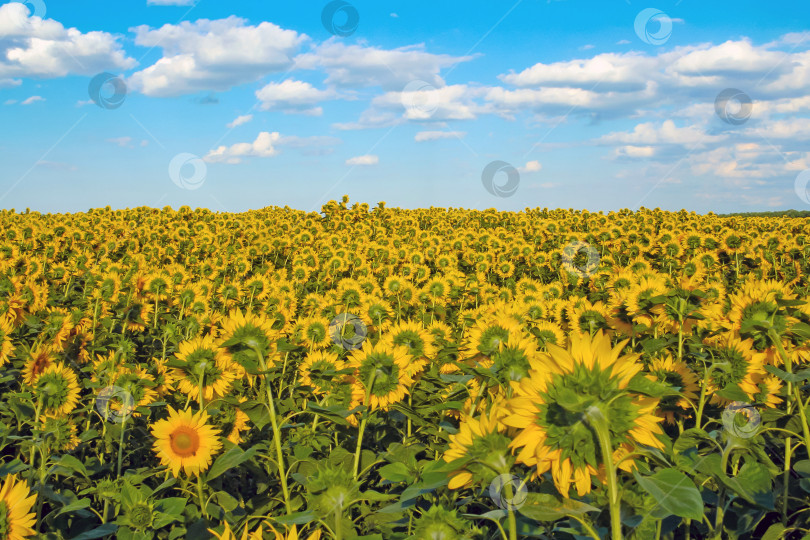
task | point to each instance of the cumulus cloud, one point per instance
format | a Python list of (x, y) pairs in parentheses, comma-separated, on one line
[(368, 159), (208, 55), (293, 96), (42, 48), (32, 99), (358, 66), (263, 146), (239, 120)]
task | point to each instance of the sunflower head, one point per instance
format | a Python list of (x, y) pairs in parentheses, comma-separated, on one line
[(58, 390), (382, 371), (332, 488), (438, 523), (483, 445), (186, 441), (246, 335), (552, 408), (16, 518)]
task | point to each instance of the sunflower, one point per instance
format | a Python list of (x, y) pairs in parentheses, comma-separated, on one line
[(60, 432), (735, 363), (315, 332), (244, 334), (201, 362), (228, 534), (389, 365), (677, 374), (40, 359), (548, 332), (58, 390), (293, 534), (484, 441), (318, 371), (412, 336), (769, 386), (16, 518), (488, 336), (186, 441), (6, 348), (551, 404)]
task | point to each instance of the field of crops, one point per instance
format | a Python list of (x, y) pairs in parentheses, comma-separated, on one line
[(383, 373)]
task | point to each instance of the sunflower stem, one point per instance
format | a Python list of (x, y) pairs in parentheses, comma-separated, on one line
[(276, 432), (599, 421), (121, 445), (363, 422), (200, 496), (793, 391)]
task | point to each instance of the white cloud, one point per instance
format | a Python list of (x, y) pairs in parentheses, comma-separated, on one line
[(263, 147), (634, 151), (32, 99), (530, 167), (357, 66), (212, 55), (43, 48), (239, 120), (363, 160), (293, 96), (648, 133), (423, 136)]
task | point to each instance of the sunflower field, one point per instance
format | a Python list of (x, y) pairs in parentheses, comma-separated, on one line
[(381, 373)]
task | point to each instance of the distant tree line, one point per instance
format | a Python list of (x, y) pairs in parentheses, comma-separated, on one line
[(778, 213)]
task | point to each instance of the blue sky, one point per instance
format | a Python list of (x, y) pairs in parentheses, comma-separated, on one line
[(238, 105)]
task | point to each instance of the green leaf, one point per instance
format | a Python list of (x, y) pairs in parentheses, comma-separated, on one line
[(774, 532), (733, 392), (12, 467), (226, 501), (797, 377), (99, 532), (256, 412), (70, 463), (297, 518), (642, 385), (230, 459), (171, 505), (802, 467), (690, 438), (545, 507), (80, 504), (674, 492), (335, 413), (395, 472)]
